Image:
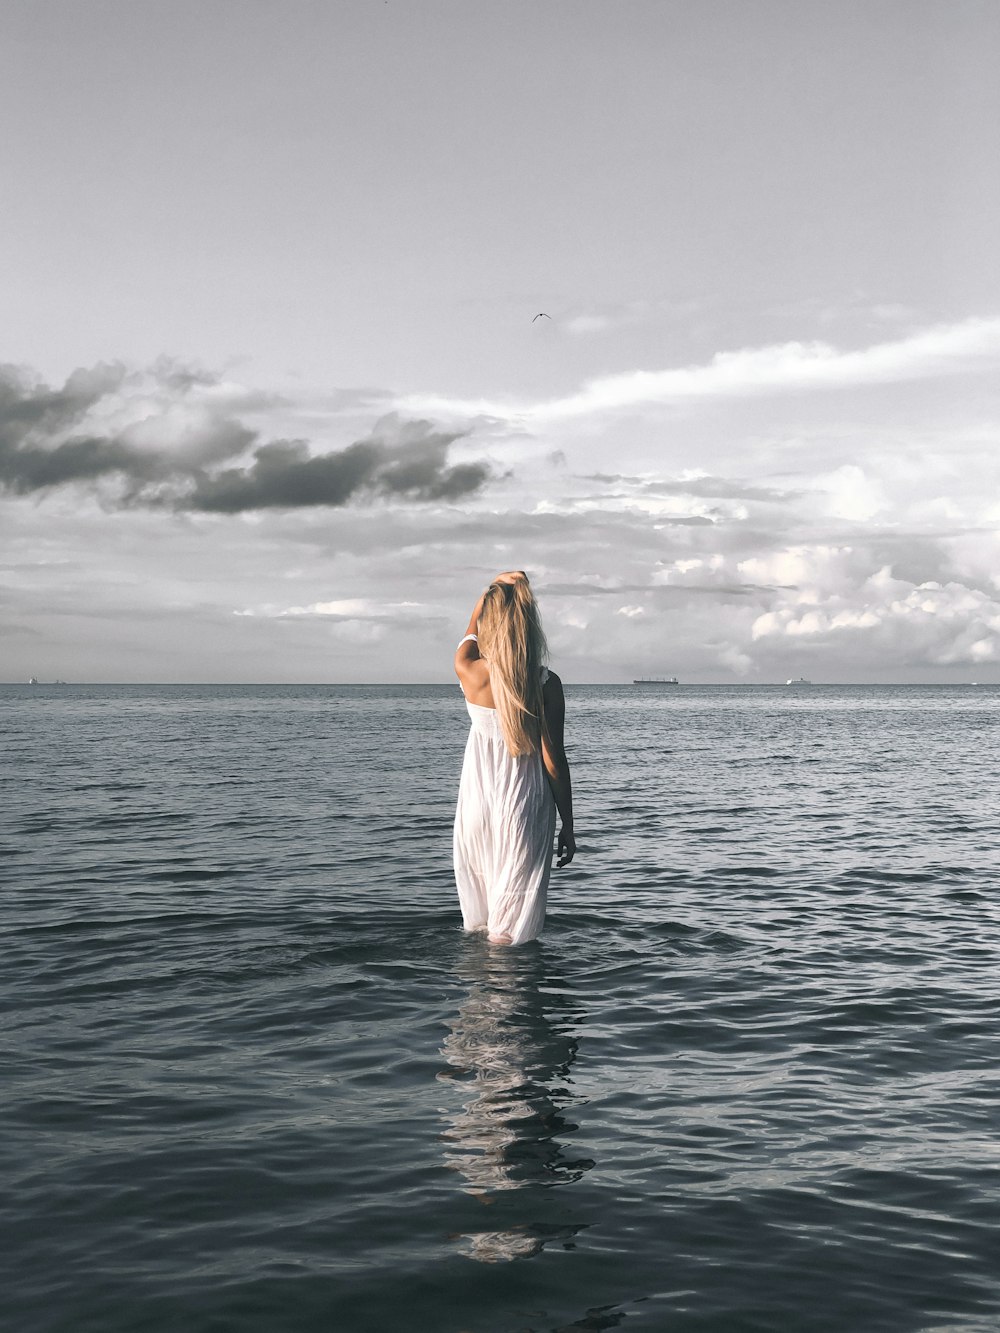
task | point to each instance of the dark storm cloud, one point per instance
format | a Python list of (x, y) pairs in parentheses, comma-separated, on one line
[(25, 405), (31, 414), (48, 439), (46, 443), (284, 475)]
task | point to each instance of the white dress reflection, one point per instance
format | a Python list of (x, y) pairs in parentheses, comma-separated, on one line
[(511, 1047)]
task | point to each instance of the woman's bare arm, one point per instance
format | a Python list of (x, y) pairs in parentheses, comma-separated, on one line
[(557, 765), (468, 651)]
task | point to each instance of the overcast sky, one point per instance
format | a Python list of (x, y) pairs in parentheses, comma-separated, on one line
[(274, 404)]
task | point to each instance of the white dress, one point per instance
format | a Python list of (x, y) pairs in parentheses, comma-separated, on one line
[(504, 826)]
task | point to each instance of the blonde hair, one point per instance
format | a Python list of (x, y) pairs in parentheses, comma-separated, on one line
[(511, 640)]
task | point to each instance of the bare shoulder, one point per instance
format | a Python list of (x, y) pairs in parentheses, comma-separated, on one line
[(467, 655), (471, 669), (474, 677)]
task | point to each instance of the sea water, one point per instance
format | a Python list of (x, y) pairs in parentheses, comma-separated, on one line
[(256, 1077)]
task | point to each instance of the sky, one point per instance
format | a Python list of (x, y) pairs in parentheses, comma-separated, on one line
[(275, 404)]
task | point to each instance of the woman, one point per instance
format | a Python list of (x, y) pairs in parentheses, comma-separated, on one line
[(515, 773)]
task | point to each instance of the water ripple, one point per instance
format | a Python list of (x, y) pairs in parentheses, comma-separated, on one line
[(259, 1079)]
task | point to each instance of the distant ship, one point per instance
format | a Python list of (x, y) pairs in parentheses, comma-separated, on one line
[(656, 680), (801, 680), (33, 680)]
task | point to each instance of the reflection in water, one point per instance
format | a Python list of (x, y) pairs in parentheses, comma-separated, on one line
[(512, 1045)]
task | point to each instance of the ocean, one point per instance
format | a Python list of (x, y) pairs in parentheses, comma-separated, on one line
[(256, 1078)]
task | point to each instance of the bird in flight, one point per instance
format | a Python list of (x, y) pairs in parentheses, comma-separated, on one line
[(541, 315)]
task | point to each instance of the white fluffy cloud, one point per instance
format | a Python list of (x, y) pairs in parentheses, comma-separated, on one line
[(941, 624)]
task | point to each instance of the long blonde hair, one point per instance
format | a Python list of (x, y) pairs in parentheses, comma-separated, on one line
[(512, 642)]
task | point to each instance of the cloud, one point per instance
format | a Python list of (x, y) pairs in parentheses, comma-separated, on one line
[(941, 623), (361, 621), (851, 493), (33, 417), (284, 474), (158, 438), (344, 608), (621, 315), (583, 324), (782, 368), (846, 540), (697, 484)]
